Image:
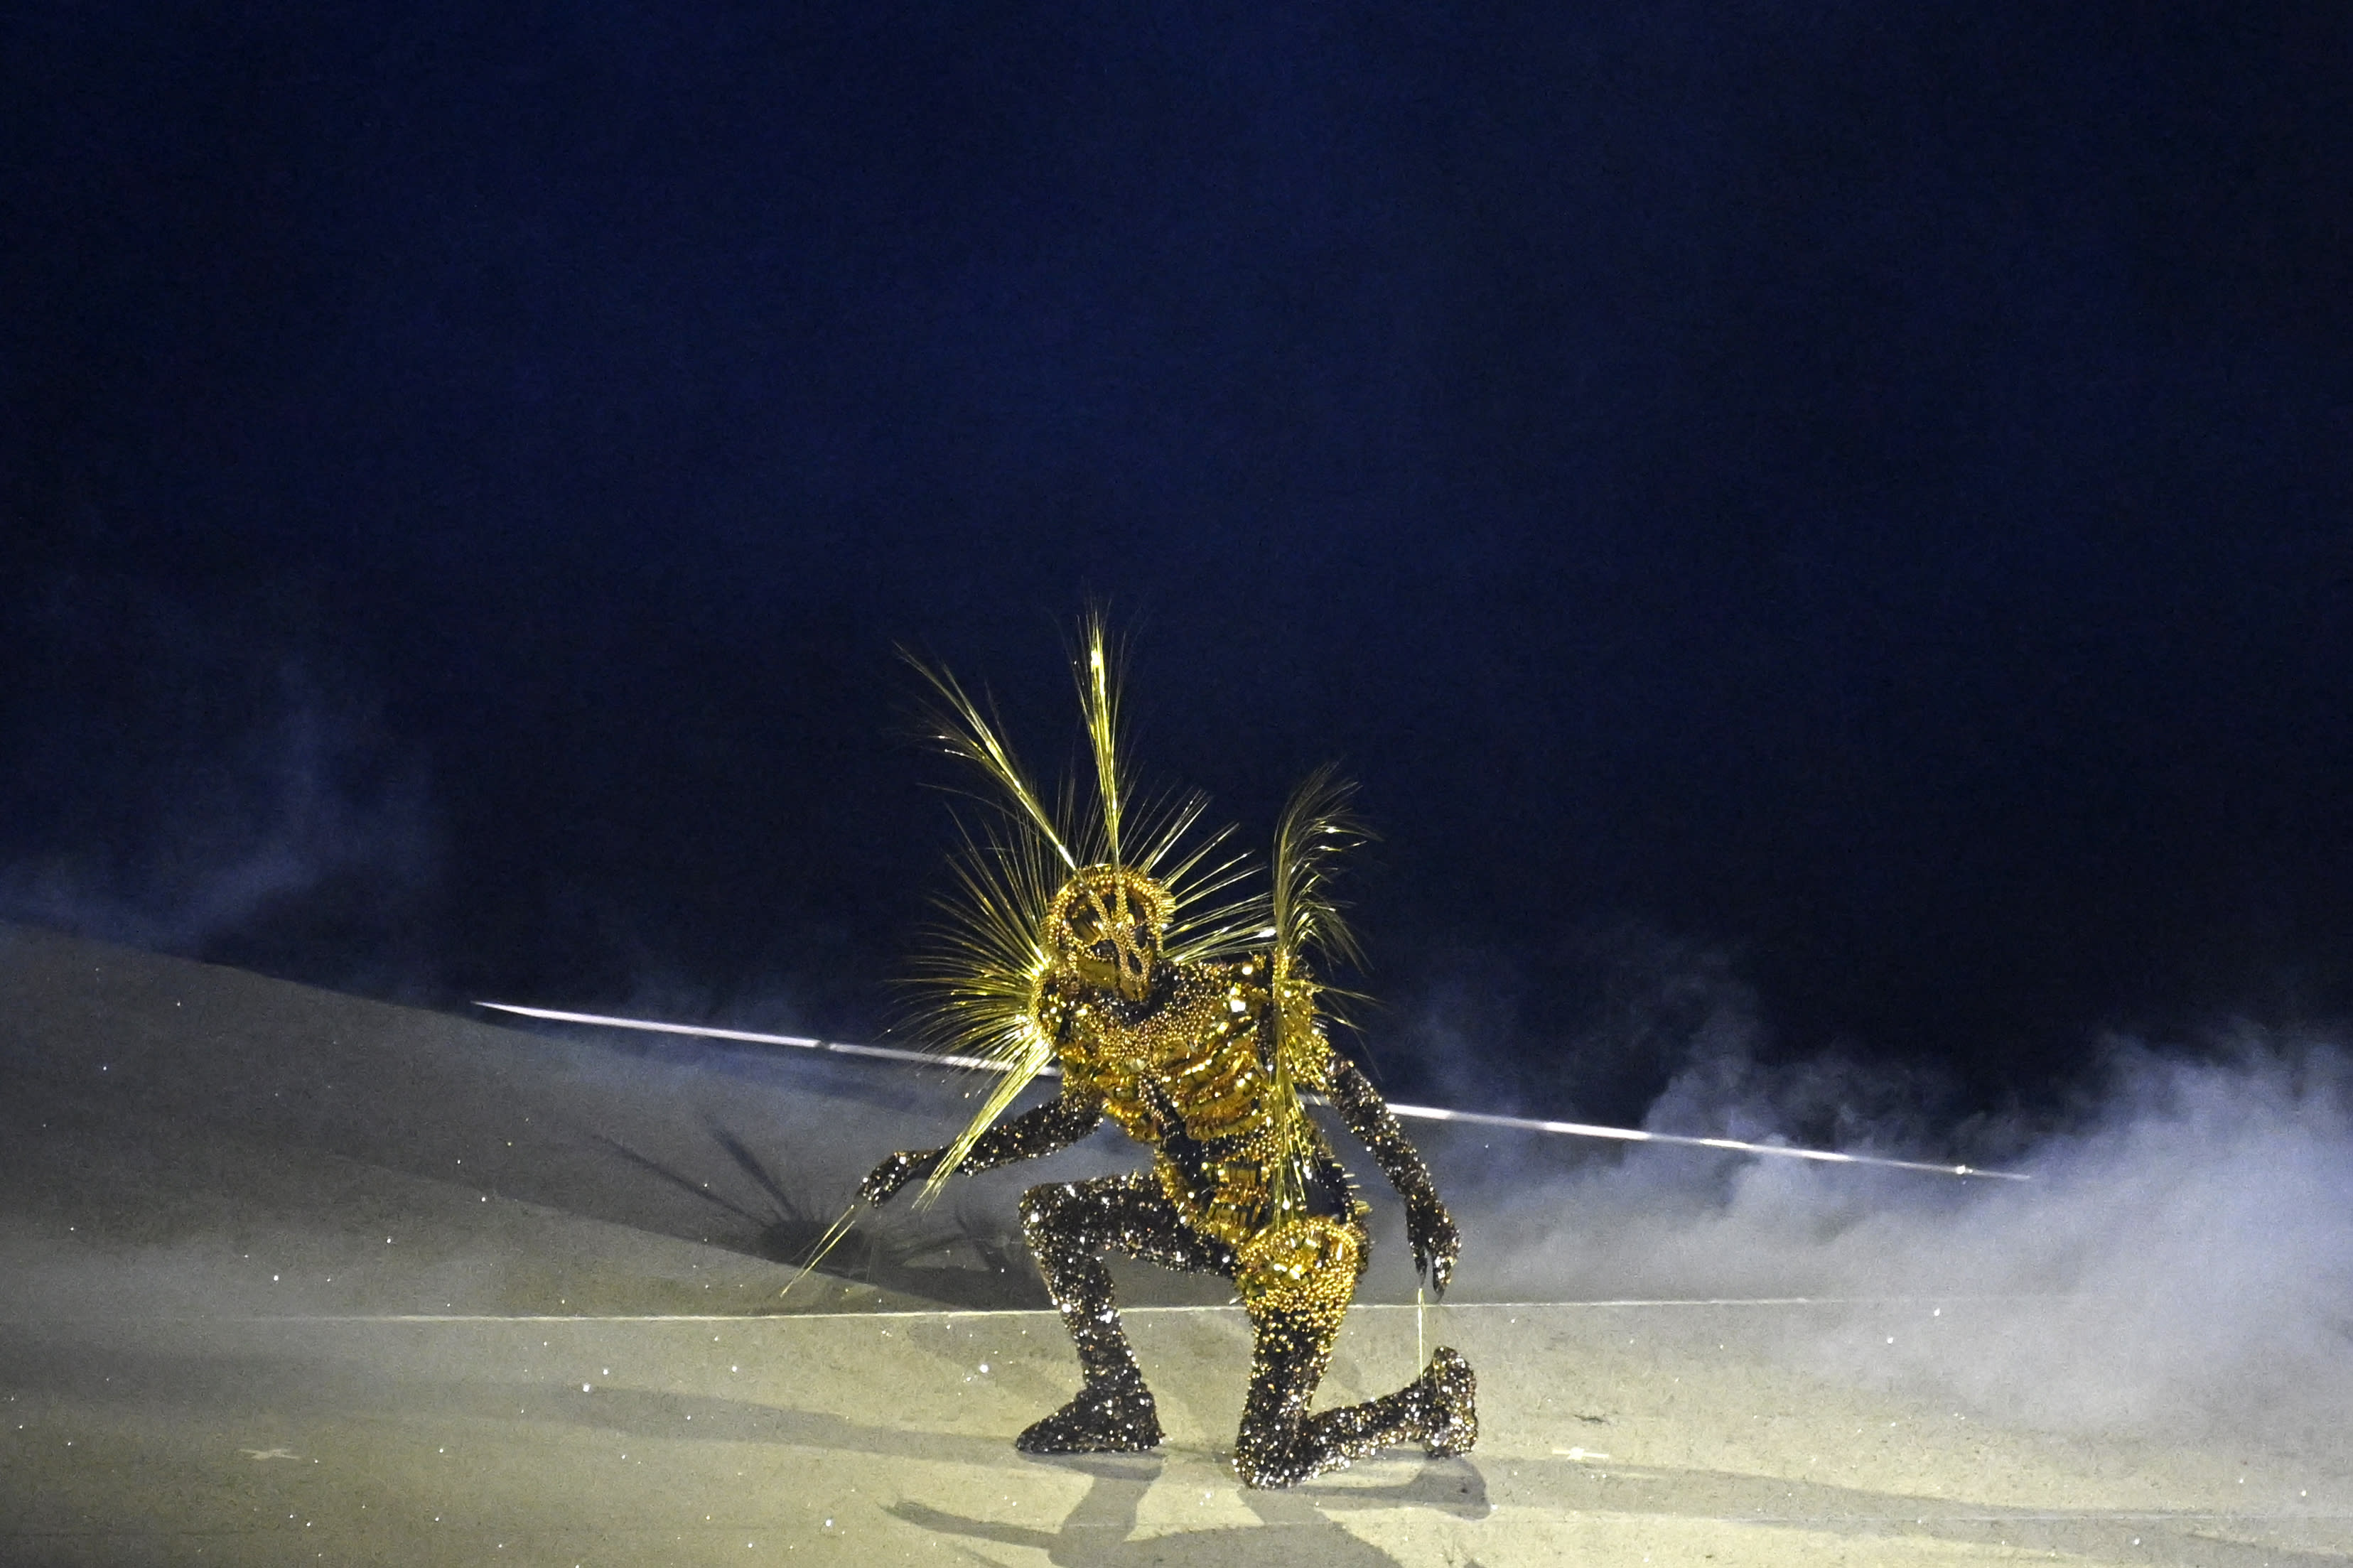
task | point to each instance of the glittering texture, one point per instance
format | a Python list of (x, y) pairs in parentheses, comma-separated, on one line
[(1053, 1126), (1281, 1443), (1069, 1228), (1185, 1070), (1429, 1228), (1104, 928)]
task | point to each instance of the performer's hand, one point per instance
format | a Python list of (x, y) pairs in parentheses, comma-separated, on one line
[(1436, 1244), (895, 1173)]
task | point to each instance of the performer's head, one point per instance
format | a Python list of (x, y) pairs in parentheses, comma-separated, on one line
[(1105, 928)]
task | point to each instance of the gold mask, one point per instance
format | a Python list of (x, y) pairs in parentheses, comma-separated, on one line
[(1105, 927)]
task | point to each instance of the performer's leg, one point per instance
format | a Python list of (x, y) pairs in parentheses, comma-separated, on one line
[(1296, 1286), (1068, 1226), (1281, 1446)]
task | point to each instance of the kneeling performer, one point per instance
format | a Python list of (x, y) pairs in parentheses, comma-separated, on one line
[(1196, 1029)]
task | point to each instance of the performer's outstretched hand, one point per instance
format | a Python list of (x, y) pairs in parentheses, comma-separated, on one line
[(895, 1173), (1436, 1243)]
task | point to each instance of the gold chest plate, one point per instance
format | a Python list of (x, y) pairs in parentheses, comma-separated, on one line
[(1189, 1063), (1193, 1050)]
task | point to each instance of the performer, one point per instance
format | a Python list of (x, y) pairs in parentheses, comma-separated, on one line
[(1195, 1027)]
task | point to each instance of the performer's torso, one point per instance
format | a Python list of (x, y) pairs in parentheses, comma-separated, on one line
[(1185, 1071)]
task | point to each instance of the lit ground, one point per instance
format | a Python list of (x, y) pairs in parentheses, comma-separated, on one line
[(289, 1277)]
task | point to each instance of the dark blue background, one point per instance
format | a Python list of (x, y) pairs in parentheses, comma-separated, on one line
[(1847, 502)]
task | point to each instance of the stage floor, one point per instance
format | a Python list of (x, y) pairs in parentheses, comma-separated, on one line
[(287, 1278), (1613, 1434)]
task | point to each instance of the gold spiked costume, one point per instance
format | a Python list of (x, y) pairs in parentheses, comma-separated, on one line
[(1099, 943)]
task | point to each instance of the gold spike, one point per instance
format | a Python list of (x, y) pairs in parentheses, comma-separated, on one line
[(1032, 1054), (1315, 826), (1099, 702), (826, 1243), (965, 732)]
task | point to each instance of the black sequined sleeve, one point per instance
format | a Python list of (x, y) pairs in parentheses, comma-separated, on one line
[(1051, 1127), (1360, 1105)]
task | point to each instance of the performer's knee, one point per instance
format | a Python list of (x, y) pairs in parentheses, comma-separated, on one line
[(1306, 1270), (1045, 1211)]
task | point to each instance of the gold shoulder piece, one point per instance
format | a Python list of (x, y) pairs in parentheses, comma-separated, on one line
[(1304, 1052), (1317, 827)]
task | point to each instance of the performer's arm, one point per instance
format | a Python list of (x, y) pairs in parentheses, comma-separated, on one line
[(1055, 1125), (1430, 1229)]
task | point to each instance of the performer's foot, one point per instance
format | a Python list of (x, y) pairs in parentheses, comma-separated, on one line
[(1265, 1466), (1105, 1418), (1439, 1409), (1452, 1392)]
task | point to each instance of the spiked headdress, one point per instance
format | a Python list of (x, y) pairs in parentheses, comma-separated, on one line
[(1129, 882)]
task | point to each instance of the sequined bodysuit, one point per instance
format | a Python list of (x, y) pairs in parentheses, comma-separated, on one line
[(1187, 1071)]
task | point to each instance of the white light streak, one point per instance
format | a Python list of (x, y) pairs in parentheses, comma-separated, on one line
[(1412, 1112), (1636, 1135), (748, 1036)]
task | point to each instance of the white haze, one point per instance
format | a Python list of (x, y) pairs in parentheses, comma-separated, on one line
[(2185, 1247), (199, 838)]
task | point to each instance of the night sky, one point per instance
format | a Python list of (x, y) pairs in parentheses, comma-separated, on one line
[(1836, 512)]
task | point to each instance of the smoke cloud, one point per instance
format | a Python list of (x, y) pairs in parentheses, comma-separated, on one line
[(180, 791), (2182, 1258)]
